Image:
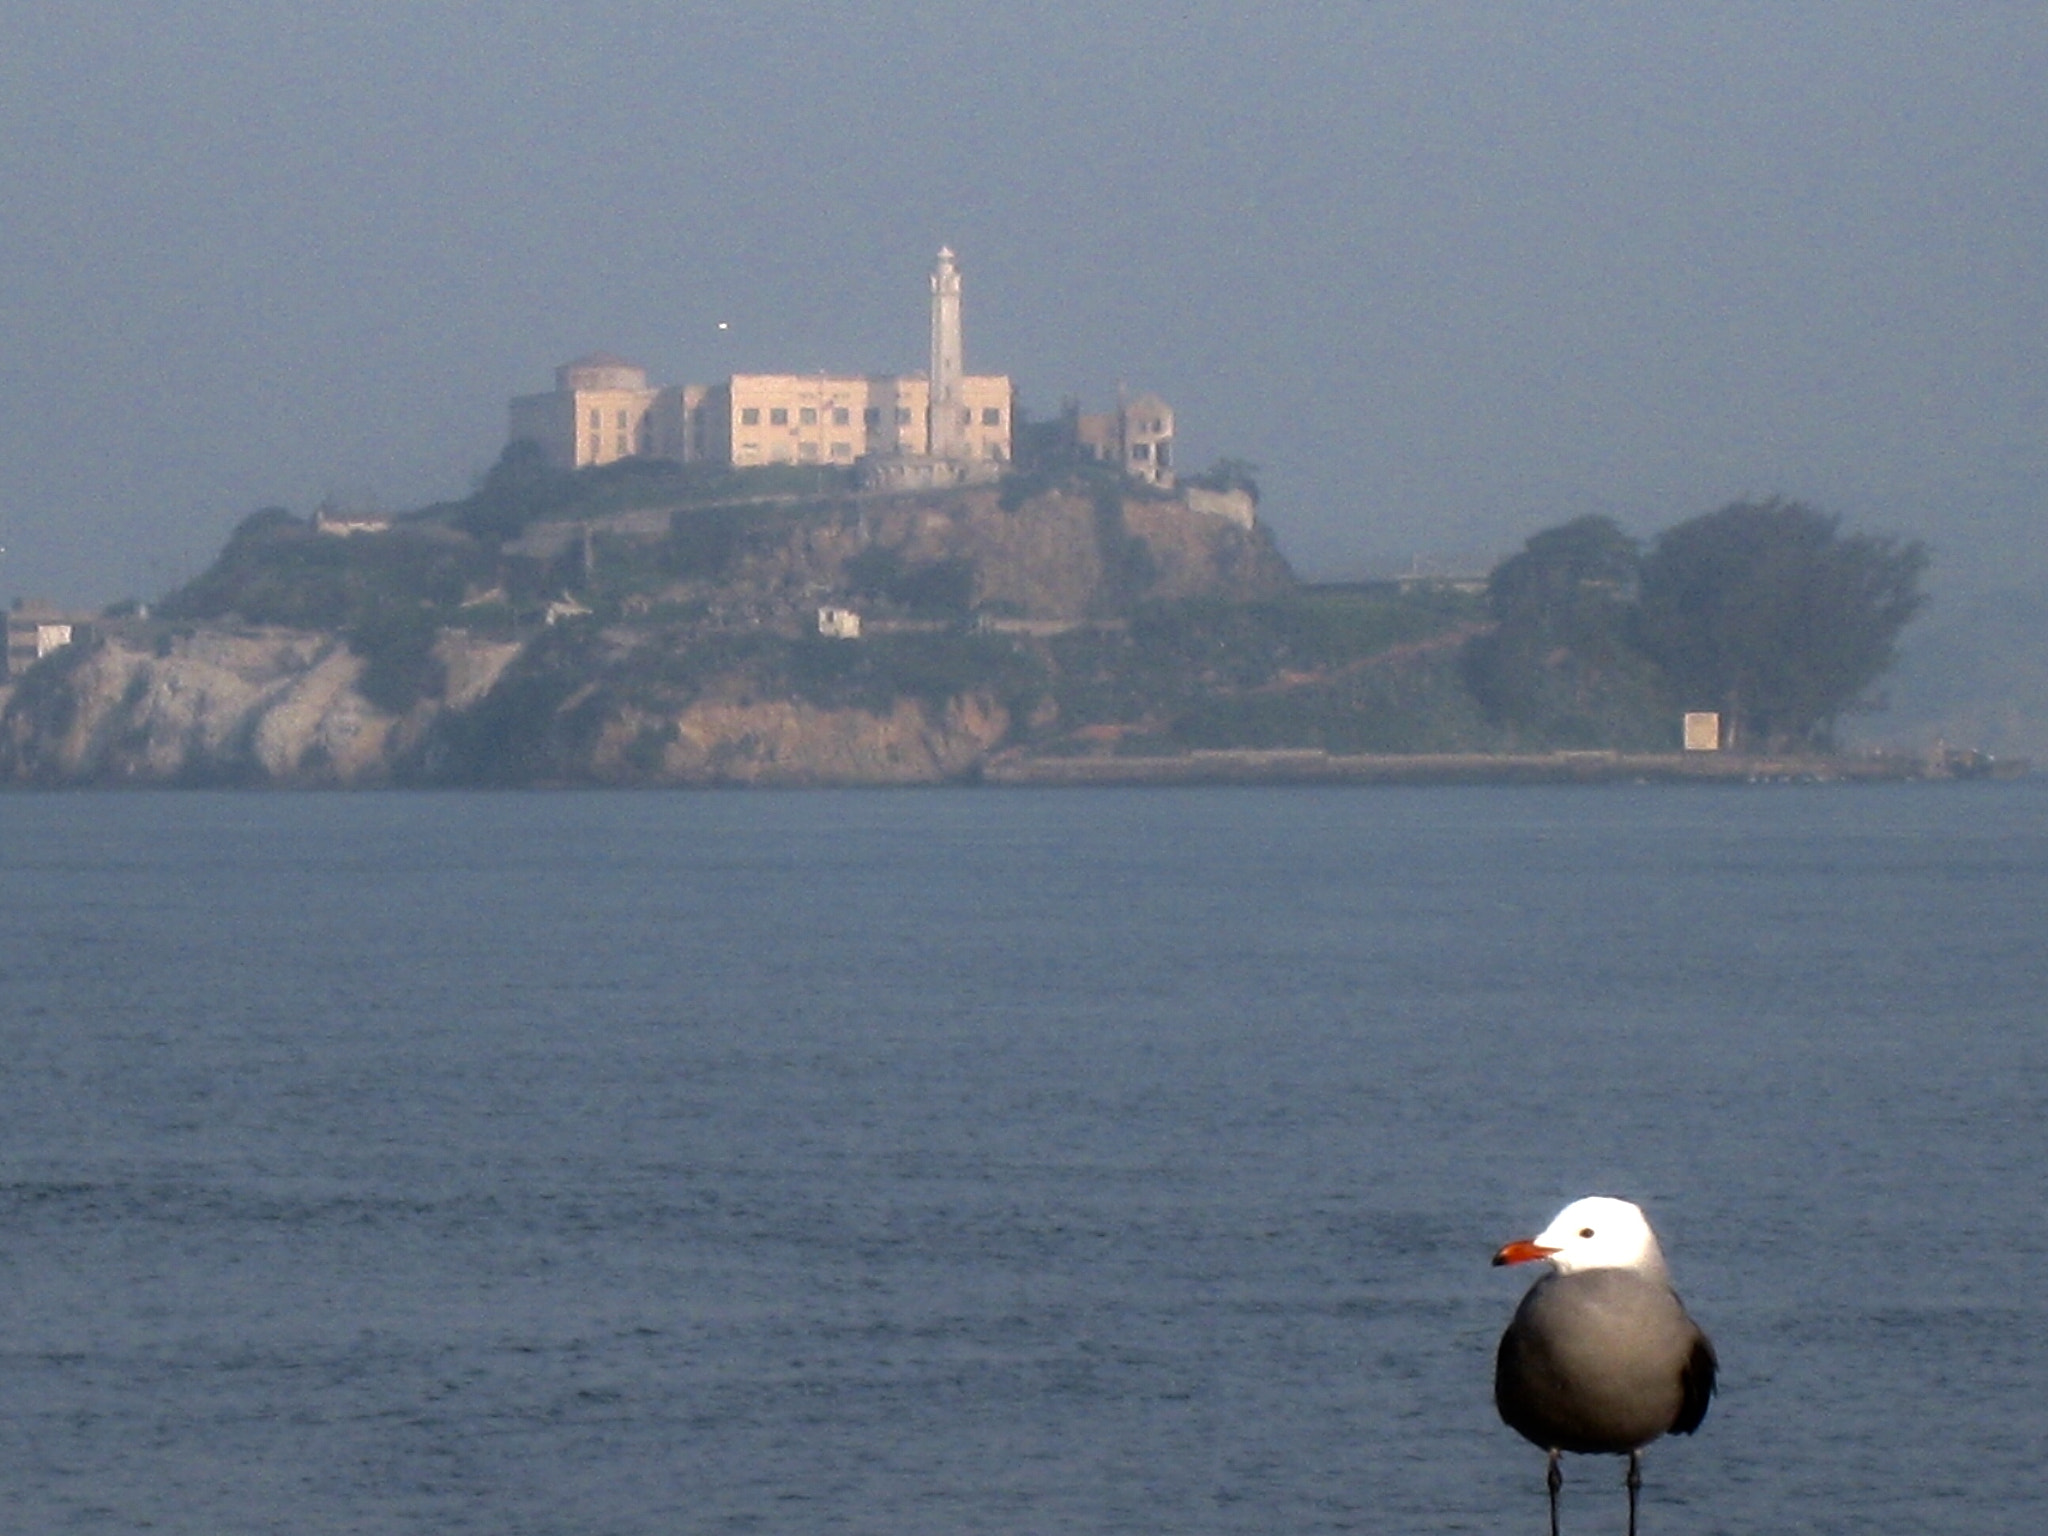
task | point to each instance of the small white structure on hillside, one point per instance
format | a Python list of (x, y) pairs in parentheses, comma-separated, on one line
[(342, 525), (34, 630)]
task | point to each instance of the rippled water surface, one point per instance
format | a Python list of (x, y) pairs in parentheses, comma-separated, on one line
[(1001, 1161)]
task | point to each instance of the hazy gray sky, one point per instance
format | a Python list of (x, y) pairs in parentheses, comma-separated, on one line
[(1449, 273)]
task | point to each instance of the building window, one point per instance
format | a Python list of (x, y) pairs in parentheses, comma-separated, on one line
[(596, 448), (622, 421), (842, 450), (808, 452), (902, 415), (808, 416), (1141, 450), (992, 416), (872, 416), (778, 415), (967, 416), (623, 449), (840, 417), (596, 419), (750, 416)]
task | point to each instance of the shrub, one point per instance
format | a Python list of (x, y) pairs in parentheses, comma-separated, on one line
[(399, 665)]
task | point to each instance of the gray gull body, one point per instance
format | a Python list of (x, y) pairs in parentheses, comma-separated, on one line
[(1601, 1357)]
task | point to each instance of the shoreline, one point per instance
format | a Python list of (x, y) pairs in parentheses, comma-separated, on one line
[(1310, 766)]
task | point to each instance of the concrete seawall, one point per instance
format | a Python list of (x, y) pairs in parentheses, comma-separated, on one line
[(1314, 767)]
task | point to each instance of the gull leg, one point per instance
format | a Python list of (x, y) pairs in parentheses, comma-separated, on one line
[(1556, 1481), (1635, 1486)]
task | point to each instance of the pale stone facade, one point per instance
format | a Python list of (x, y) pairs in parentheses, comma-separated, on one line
[(1137, 435), (767, 418), (839, 623), (941, 427), (342, 525), (33, 631), (603, 409), (778, 418)]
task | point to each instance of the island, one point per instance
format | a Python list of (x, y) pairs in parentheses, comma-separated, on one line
[(827, 579), (652, 623)]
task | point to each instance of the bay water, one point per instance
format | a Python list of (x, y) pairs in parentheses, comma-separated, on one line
[(1007, 1161)]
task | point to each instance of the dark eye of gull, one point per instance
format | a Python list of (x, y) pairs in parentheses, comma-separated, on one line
[(1585, 1231)]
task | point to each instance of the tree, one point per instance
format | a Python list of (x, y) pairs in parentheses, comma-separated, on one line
[(396, 642), (1558, 664), (514, 491), (265, 523), (1572, 578), (1767, 612)]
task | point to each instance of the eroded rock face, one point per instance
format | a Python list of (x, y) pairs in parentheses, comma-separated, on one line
[(282, 708), (226, 707), (1062, 555), (783, 742), (627, 703)]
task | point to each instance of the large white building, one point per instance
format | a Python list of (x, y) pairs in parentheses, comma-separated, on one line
[(938, 427)]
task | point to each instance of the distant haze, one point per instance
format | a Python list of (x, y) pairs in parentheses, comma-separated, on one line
[(1448, 273)]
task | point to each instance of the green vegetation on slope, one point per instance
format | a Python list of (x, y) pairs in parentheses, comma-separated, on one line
[(1364, 668), (1769, 613), (1764, 611), (1351, 669), (693, 586), (276, 570), (522, 488)]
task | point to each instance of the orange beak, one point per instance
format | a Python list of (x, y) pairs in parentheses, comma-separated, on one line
[(1521, 1251)]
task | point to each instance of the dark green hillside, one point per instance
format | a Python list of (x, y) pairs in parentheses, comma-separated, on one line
[(522, 489), (1347, 669), (1765, 612), (276, 570), (651, 541), (641, 592), (646, 620), (1357, 669)]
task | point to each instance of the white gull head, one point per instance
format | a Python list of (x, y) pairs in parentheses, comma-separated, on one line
[(1598, 1232)]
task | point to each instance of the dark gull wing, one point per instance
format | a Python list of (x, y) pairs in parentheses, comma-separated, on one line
[(1696, 1383)]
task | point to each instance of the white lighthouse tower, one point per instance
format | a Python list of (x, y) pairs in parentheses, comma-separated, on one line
[(945, 434), (968, 418)]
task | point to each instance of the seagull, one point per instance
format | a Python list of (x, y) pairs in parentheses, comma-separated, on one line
[(1601, 1357)]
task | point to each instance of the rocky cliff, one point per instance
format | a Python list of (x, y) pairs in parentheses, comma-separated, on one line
[(283, 708), (689, 656), (221, 706), (1062, 554)]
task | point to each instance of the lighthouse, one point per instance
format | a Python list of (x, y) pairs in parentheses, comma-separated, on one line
[(946, 436)]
